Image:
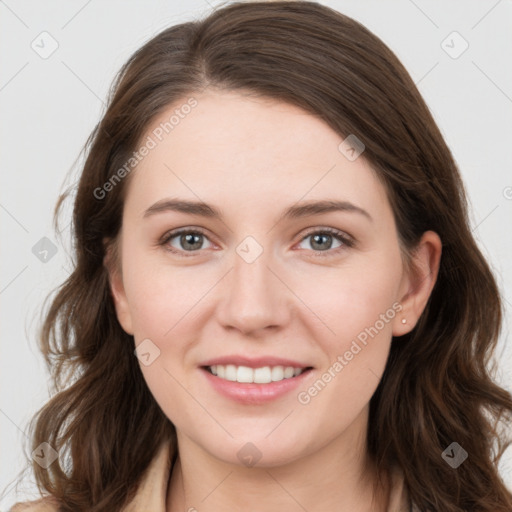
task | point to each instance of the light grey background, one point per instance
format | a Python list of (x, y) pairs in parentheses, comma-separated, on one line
[(50, 105)]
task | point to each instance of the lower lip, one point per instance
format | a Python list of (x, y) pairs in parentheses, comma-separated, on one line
[(251, 393)]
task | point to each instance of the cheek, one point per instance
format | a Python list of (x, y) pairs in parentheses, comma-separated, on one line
[(353, 298), (162, 300), (359, 306), (159, 295)]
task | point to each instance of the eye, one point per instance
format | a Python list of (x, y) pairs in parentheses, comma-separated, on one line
[(321, 241), (191, 240), (188, 240)]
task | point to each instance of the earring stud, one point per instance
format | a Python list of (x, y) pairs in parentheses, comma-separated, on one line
[(404, 320)]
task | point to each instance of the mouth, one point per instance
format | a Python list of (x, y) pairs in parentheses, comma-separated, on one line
[(261, 375), (255, 386)]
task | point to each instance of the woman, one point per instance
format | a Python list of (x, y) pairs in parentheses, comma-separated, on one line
[(224, 358)]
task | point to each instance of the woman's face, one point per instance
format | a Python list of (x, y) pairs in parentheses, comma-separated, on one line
[(257, 283)]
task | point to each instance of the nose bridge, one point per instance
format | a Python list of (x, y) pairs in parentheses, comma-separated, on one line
[(254, 297)]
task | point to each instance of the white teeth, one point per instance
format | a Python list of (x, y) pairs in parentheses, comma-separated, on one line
[(288, 372), (263, 375), (243, 374), (277, 373), (230, 372)]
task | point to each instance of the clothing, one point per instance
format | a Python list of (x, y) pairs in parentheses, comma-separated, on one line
[(152, 492)]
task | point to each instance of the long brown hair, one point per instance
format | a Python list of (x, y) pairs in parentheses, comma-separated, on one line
[(438, 385)]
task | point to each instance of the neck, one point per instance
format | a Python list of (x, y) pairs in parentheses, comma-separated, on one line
[(339, 477)]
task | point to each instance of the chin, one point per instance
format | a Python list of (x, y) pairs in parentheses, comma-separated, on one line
[(260, 453)]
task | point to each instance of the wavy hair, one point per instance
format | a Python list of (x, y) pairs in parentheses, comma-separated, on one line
[(438, 386)]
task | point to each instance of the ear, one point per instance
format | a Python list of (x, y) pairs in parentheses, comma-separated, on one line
[(112, 262), (418, 282)]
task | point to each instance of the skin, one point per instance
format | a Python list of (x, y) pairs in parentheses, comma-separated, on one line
[(252, 158)]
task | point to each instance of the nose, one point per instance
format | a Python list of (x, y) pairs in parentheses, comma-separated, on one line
[(255, 296)]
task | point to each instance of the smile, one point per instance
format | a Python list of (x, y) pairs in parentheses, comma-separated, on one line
[(262, 375)]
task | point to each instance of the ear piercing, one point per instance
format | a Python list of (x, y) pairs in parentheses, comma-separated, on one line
[(404, 320)]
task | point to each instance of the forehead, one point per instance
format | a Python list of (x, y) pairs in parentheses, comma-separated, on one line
[(233, 148)]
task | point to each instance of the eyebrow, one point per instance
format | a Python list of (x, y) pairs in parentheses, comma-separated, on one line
[(304, 209)]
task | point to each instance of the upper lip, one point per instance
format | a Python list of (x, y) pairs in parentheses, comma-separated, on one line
[(256, 362)]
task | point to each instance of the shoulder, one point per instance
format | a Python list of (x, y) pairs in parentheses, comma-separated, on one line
[(48, 504)]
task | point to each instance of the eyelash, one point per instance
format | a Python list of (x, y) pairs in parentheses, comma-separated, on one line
[(347, 241)]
